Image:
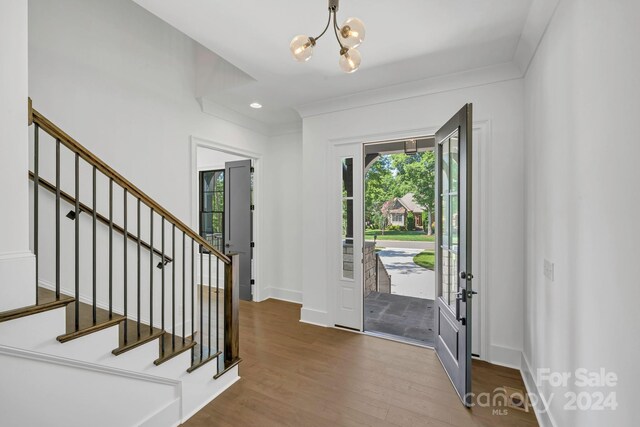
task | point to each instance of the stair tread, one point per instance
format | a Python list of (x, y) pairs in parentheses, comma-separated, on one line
[(133, 339), (170, 348), (198, 359), (86, 324), (46, 301)]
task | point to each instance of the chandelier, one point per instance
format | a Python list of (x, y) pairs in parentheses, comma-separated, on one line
[(350, 35)]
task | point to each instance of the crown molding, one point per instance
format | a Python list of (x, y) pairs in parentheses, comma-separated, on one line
[(465, 79), (540, 14)]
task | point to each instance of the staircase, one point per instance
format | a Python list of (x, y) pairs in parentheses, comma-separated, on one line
[(135, 316)]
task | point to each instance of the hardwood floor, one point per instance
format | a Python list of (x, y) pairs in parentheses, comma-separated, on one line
[(294, 374)]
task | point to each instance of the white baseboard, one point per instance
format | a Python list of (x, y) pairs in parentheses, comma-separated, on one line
[(505, 356), (314, 317), (231, 378), (283, 295), (18, 277), (541, 409)]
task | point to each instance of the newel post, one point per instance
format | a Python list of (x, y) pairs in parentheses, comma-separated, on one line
[(231, 311)]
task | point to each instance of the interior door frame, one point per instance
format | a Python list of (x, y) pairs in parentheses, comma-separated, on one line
[(260, 292), (482, 148)]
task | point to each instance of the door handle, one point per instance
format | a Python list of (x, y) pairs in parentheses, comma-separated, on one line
[(228, 245), (460, 296)]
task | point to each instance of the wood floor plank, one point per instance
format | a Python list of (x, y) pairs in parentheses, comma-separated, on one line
[(295, 374)]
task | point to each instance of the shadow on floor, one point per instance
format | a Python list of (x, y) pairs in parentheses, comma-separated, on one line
[(405, 317)]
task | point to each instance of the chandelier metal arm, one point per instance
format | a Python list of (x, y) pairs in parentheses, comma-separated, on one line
[(335, 30), (325, 28)]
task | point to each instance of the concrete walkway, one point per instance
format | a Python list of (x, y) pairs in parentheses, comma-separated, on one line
[(407, 278), (393, 244)]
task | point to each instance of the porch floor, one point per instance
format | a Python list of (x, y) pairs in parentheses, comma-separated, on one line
[(404, 317)]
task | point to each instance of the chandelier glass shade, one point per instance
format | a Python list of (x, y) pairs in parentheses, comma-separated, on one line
[(349, 36)]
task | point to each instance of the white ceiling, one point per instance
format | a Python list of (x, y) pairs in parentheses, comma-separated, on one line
[(406, 40)]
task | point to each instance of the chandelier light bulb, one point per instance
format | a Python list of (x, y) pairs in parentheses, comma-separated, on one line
[(352, 32), (349, 36), (349, 60), (302, 47)]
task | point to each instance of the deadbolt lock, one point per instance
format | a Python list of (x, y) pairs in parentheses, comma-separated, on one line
[(466, 276)]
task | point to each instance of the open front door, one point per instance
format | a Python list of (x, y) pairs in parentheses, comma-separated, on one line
[(237, 221), (453, 239)]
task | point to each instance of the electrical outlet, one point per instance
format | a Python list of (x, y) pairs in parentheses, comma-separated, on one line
[(549, 268)]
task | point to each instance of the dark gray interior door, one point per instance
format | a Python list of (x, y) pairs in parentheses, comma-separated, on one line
[(453, 240), (238, 224)]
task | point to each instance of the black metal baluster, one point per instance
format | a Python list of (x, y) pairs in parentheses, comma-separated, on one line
[(94, 275), (151, 272), (173, 288), (77, 229), (162, 298), (209, 309), (217, 305), (183, 286), (110, 247), (58, 217), (139, 272), (193, 285), (124, 239), (201, 302), (36, 187)]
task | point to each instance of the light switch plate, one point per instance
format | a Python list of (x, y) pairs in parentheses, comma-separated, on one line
[(549, 268)]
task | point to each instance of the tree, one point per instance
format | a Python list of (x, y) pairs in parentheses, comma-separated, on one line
[(416, 174), (394, 175), (378, 189)]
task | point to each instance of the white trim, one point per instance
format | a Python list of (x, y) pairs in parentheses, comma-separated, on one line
[(314, 317), (63, 361), (283, 294), (540, 14), (164, 415), (504, 356), (224, 388), (449, 82), (541, 409), (16, 255), (257, 158)]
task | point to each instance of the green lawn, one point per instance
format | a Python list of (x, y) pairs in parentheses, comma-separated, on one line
[(405, 236), (425, 259)]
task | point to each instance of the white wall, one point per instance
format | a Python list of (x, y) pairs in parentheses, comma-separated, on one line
[(16, 261), (582, 204), (282, 210), (499, 107), (121, 81)]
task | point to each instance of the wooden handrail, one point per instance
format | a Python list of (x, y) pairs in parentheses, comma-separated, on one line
[(73, 145), (86, 209)]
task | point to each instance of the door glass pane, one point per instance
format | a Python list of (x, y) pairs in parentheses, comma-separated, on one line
[(449, 201), (212, 207), (347, 218)]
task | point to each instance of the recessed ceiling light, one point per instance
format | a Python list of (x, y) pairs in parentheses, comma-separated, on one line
[(255, 105)]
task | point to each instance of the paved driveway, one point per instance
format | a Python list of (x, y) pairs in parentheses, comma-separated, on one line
[(407, 278)]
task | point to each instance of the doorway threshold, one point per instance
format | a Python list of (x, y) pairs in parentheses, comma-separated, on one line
[(402, 340)]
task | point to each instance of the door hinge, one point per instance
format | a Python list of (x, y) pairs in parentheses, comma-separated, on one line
[(253, 282), (253, 207), (252, 169), (253, 244)]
